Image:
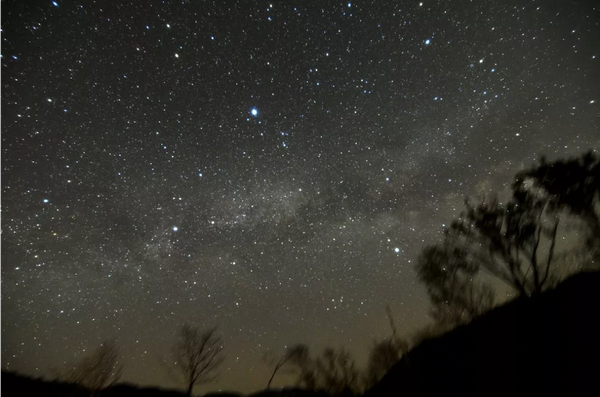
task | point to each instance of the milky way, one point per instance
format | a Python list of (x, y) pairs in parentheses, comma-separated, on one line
[(272, 168)]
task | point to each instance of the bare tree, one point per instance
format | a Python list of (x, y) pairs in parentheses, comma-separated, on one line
[(333, 372), (382, 357), (336, 372), (98, 370), (292, 354), (401, 344), (197, 355), (385, 353)]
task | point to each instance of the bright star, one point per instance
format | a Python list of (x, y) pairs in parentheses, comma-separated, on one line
[(254, 112), (397, 250), (427, 42), (55, 4), (175, 228)]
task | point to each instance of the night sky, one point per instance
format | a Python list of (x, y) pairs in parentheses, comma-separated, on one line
[(272, 168)]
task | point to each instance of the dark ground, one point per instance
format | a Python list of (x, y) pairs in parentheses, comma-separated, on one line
[(548, 345)]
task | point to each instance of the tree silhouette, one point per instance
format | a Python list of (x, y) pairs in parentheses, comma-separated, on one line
[(507, 240), (292, 354), (401, 344), (305, 367), (572, 185), (98, 370), (336, 372), (456, 296), (333, 372), (514, 242), (382, 357), (384, 354), (197, 355)]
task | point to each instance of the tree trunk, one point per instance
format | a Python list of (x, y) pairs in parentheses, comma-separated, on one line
[(189, 390), (277, 366)]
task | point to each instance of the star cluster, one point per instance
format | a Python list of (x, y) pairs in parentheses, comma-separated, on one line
[(272, 168)]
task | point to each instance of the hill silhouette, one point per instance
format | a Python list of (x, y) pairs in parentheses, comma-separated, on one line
[(14, 384), (545, 345)]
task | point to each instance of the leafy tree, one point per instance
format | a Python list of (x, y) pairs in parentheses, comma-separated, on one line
[(98, 370), (506, 240), (515, 242), (449, 275), (572, 185), (198, 355)]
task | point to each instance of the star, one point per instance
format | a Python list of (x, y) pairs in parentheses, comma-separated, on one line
[(140, 171)]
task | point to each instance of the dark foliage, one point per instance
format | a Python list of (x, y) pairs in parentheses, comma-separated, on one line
[(545, 345), (98, 370), (449, 274), (333, 372), (515, 242), (572, 185)]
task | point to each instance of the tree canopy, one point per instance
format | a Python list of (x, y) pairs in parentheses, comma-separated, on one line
[(515, 242), (97, 370), (198, 354)]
